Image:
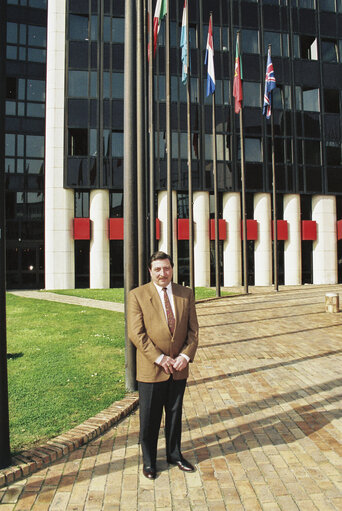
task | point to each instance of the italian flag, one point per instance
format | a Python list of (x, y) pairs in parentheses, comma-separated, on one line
[(159, 14)]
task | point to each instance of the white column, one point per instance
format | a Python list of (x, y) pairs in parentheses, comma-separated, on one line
[(324, 255), (263, 245), (201, 239), (232, 269), (162, 216), (59, 202), (293, 245), (99, 244)]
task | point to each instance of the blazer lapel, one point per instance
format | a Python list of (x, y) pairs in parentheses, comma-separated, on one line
[(179, 304)]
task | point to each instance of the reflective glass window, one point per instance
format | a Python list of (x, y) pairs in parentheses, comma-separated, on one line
[(253, 149), (78, 84), (36, 36), (35, 90), (250, 41), (118, 30), (12, 33), (35, 146), (117, 85), (274, 39), (251, 94), (35, 55), (327, 5), (117, 144), (78, 27), (311, 100), (329, 51)]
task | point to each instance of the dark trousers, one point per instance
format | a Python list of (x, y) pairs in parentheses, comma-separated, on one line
[(153, 397)]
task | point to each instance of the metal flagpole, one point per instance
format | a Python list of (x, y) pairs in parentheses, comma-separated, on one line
[(151, 129), (243, 191), (130, 161), (217, 259), (141, 195), (5, 453), (275, 226), (168, 133), (188, 109)]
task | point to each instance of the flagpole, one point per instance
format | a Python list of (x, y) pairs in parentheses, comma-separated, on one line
[(217, 260), (151, 129), (5, 450), (275, 227), (141, 205), (243, 191), (188, 110), (168, 133)]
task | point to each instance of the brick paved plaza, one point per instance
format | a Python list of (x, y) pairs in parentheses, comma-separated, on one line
[(262, 421)]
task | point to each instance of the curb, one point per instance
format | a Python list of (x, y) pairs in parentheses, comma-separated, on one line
[(27, 462)]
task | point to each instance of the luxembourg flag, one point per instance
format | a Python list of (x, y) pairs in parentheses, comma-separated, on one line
[(184, 46), (159, 14), (209, 60)]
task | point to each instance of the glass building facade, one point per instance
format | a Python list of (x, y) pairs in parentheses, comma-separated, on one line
[(306, 41)]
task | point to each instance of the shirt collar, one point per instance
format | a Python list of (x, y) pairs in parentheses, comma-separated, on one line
[(160, 288)]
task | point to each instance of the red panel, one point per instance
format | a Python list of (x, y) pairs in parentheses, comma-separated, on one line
[(183, 228), (282, 230), (81, 228), (252, 230), (157, 229), (309, 230), (116, 228), (339, 229), (222, 229)]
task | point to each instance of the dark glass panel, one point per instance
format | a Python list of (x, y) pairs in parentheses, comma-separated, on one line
[(82, 248), (312, 150), (79, 6), (331, 101), (78, 54), (77, 172), (78, 27), (312, 126), (78, 142), (116, 205), (116, 263), (78, 112), (334, 179), (254, 179), (314, 179)]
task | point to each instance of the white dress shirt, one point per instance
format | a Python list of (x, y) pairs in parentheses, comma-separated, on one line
[(170, 296)]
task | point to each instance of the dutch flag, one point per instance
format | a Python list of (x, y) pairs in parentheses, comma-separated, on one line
[(209, 61)]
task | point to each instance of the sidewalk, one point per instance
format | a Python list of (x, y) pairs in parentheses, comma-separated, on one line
[(262, 421)]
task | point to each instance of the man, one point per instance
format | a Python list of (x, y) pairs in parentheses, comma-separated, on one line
[(162, 324)]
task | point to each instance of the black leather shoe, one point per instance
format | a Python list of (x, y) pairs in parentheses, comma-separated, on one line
[(149, 472), (182, 464)]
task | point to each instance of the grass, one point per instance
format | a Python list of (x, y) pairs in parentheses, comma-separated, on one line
[(117, 294), (65, 364)]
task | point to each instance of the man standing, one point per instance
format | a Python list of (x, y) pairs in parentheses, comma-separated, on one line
[(162, 324)]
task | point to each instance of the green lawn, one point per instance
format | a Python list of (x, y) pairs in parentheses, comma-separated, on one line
[(117, 294), (65, 364)]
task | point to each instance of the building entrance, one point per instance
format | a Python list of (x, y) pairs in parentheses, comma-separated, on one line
[(25, 265)]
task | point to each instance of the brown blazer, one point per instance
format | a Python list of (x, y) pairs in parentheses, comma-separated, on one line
[(148, 330)]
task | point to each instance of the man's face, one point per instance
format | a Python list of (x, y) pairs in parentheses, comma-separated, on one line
[(161, 272)]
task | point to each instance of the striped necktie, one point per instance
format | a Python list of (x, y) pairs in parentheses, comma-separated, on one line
[(169, 313)]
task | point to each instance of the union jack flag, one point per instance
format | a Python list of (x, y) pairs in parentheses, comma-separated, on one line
[(270, 84)]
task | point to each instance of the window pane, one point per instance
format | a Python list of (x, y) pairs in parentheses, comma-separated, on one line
[(35, 55), (327, 5), (36, 90), (78, 27), (117, 85), (12, 33), (253, 149), (329, 51), (36, 36), (117, 144), (78, 84), (9, 144), (272, 38), (251, 94), (35, 146), (311, 100), (250, 41), (35, 109), (118, 30)]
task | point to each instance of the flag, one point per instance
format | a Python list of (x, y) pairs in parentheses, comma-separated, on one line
[(270, 84), (237, 85), (184, 46), (209, 60), (159, 14)]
